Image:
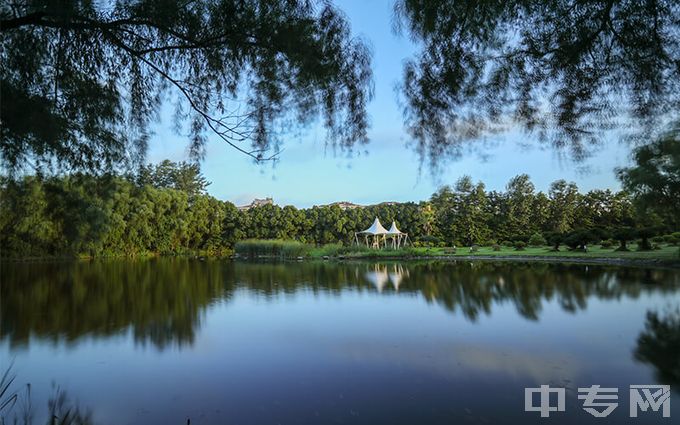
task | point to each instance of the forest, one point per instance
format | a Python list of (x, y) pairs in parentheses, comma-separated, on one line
[(164, 209)]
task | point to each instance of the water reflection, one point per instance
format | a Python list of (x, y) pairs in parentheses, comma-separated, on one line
[(659, 345), (159, 341), (380, 274), (162, 302)]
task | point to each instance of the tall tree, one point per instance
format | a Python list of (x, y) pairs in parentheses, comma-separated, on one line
[(520, 199), (181, 176), (564, 69), (654, 179), (82, 80), (563, 198)]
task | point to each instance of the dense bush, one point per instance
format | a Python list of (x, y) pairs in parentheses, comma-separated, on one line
[(496, 247), (607, 243), (624, 235), (428, 241), (555, 239), (537, 240), (474, 248), (672, 239), (520, 245), (579, 239)]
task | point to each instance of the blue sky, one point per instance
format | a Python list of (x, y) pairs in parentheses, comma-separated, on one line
[(386, 170)]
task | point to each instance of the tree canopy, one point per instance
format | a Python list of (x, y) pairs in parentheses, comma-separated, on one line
[(163, 209), (565, 70), (654, 178), (82, 81)]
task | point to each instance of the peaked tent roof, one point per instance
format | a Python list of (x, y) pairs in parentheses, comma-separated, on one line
[(376, 228), (393, 230)]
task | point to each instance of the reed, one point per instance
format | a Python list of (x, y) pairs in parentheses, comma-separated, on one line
[(272, 248)]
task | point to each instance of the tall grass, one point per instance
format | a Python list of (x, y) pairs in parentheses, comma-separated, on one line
[(336, 250), (272, 248)]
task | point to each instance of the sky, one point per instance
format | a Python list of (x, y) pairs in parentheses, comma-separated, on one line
[(386, 169)]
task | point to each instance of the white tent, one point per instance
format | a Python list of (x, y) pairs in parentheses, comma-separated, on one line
[(377, 231), (397, 236), (376, 228)]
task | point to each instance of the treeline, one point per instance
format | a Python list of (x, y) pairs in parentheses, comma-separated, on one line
[(164, 209)]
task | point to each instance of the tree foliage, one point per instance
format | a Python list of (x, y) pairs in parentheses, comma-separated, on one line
[(564, 70), (81, 81), (164, 209), (654, 178)]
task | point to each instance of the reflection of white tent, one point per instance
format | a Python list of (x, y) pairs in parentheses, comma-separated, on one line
[(397, 274), (377, 231), (378, 277), (397, 236)]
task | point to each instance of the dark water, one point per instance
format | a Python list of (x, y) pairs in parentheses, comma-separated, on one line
[(161, 341)]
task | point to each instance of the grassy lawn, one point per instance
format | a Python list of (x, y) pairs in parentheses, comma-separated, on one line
[(295, 250), (665, 253)]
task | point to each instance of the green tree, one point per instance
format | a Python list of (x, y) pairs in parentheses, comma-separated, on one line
[(624, 235), (26, 228), (520, 204), (462, 212), (172, 175), (654, 179), (563, 205), (81, 81)]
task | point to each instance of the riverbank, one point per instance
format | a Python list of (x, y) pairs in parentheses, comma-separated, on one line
[(665, 256)]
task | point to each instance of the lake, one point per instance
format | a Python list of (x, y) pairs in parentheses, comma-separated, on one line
[(162, 341)]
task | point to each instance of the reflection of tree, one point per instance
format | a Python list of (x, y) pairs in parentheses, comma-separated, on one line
[(659, 345), (162, 301)]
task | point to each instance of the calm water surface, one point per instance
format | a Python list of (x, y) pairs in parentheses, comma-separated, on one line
[(161, 341)]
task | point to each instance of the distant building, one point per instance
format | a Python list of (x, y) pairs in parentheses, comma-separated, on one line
[(257, 203), (344, 205)]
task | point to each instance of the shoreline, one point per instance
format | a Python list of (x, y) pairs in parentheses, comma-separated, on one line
[(555, 259), (527, 258)]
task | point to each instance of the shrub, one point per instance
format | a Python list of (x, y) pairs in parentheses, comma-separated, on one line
[(474, 248), (490, 242), (623, 235), (520, 245), (657, 239), (429, 241), (508, 243), (555, 239), (496, 247), (645, 233), (537, 240), (524, 238), (607, 243), (580, 238), (672, 239)]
